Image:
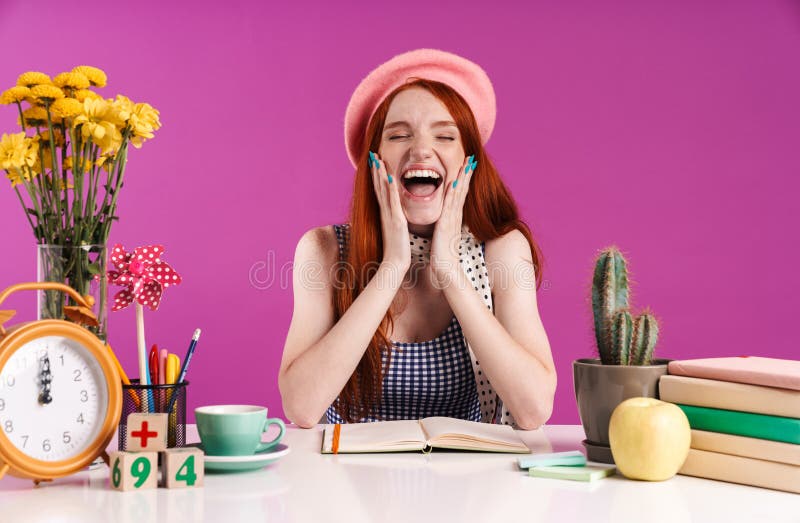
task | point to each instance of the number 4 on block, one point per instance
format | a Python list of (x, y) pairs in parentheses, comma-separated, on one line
[(133, 470), (182, 467)]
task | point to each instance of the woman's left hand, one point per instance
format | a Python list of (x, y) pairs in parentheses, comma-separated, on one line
[(447, 232)]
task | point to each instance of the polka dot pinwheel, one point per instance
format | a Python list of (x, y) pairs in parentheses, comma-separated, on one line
[(143, 274)]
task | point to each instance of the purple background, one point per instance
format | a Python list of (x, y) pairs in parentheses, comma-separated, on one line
[(668, 128)]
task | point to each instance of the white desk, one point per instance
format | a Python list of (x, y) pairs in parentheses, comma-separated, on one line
[(306, 486)]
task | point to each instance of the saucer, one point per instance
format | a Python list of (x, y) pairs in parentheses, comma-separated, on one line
[(242, 463), (598, 452)]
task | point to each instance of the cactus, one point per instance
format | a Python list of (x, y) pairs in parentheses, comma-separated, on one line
[(645, 336), (621, 332), (621, 338), (609, 294)]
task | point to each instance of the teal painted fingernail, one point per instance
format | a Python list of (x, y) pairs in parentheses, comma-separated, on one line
[(454, 183), (390, 178)]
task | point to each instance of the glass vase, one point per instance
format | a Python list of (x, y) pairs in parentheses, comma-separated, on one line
[(81, 267)]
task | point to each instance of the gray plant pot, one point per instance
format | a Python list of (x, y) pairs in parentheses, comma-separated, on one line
[(600, 388)]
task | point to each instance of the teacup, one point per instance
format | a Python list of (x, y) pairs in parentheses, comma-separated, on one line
[(235, 430)]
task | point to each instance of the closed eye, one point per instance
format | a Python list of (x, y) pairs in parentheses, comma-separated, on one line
[(406, 136)]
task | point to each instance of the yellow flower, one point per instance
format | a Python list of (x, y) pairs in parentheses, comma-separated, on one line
[(15, 175), (17, 151), (143, 122), (32, 78), (83, 94), (96, 76), (66, 108), (113, 115), (71, 80), (106, 162), (124, 107), (94, 110), (47, 93), (34, 117), (44, 139), (97, 122), (14, 95)]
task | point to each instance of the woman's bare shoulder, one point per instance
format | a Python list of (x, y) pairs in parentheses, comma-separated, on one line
[(508, 247), (506, 256), (318, 244)]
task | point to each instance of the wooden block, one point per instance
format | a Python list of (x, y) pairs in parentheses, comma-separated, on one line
[(182, 467), (133, 470), (146, 432)]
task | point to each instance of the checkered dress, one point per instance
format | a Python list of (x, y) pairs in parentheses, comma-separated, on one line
[(429, 378)]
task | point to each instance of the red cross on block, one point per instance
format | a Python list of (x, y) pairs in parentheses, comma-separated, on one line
[(143, 434), (145, 431)]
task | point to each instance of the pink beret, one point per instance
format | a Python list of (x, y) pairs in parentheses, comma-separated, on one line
[(466, 77)]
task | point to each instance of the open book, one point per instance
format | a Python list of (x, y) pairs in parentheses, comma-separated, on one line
[(424, 435)]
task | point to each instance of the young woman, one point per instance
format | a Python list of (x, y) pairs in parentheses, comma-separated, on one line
[(424, 303)]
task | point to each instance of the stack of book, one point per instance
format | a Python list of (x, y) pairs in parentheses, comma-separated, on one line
[(745, 418)]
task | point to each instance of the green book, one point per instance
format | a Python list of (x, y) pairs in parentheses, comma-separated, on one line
[(584, 473), (762, 426)]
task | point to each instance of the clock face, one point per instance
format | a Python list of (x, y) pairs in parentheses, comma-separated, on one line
[(53, 398)]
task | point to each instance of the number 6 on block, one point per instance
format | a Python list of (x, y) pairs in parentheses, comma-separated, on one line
[(182, 467), (133, 470)]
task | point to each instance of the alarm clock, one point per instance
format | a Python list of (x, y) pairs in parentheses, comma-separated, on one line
[(60, 392)]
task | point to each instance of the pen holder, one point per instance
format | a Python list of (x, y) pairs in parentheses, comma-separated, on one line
[(155, 398)]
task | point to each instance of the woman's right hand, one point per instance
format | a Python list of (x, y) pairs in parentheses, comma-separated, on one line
[(396, 246)]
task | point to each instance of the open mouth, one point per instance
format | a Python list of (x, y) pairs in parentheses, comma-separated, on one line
[(421, 184)]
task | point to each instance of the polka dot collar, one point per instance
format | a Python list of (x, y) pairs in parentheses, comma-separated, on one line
[(420, 248)]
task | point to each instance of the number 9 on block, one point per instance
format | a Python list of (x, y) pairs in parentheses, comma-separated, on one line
[(133, 470)]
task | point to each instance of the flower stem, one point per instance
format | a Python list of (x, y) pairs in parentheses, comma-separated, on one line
[(21, 118), (54, 167), (25, 208)]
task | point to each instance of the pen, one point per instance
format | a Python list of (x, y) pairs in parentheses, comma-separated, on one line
[(185, 366), (162, 367), (173, 367), (147, 393), (154, 365), (162, 378)]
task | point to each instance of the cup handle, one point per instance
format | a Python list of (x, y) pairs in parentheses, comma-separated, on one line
[(264, 447)]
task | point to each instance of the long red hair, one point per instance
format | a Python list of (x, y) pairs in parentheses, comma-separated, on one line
[(489, 212)]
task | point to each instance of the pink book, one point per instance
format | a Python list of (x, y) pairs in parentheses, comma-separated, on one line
[(755, 370)]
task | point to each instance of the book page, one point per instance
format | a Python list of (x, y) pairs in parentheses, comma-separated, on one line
[(458, 433), (376, 436)]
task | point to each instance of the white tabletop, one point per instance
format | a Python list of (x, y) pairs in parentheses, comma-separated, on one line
[(306, 486)]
